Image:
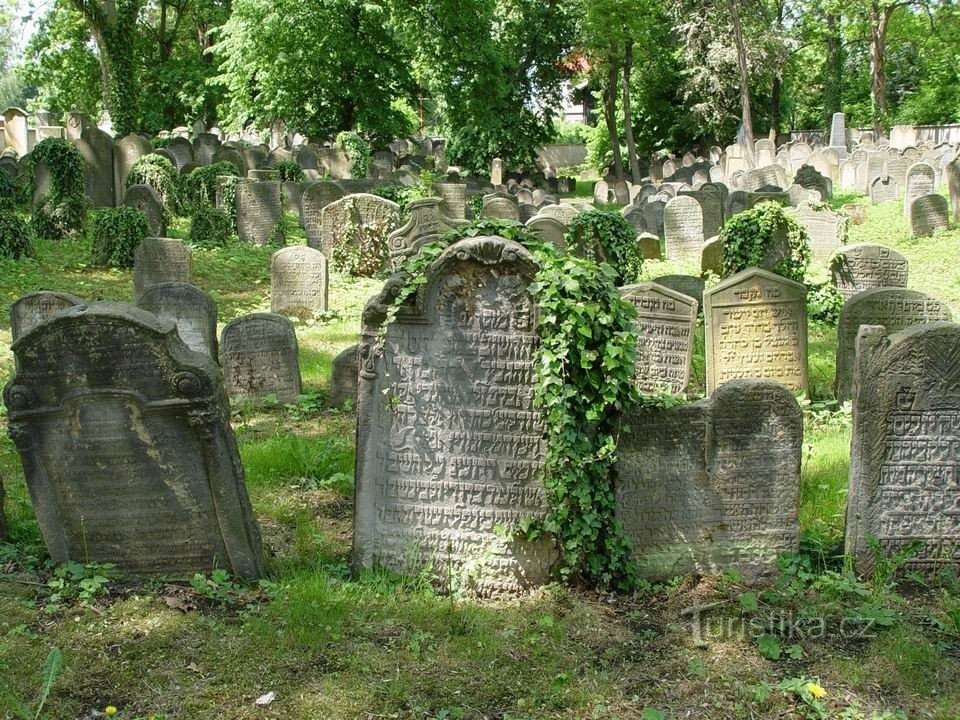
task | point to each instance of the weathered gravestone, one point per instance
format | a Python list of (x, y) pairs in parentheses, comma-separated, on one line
[(258, 353), (689, 285), (565, 212), (145, 199), (601, 192), (15, 130), (181, 150), (33, 308), (711, 204), (259, 212), (343, 378), (894, 308), (827, 230), (500, 206), (713, 486), (205, 146), (756, 327), (921, 180), (904, 462), (96, 147), (160, 260), (453, 198), (666, 322), (929, 214), (191, 309), (861, 267), (953, 183), (315, 198), (653, 210), (449, 444), (884, 189), (127, 151), (126, 445), (425, 225), (683, 228), (342, 219), (298, 281), (550, 230), (711, 258)]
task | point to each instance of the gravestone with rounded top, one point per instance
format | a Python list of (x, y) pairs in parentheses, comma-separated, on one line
[(343, 377), (683, 228), (864, 266), (341, 219), (921, 180), (550, 230), (298, 281), (145, 199), (160, 260), (97, 150), (884, 189), (127, 151), (825, 228), (33, 308), (929, 214), (191, 309), (259, 355), (500, 206)]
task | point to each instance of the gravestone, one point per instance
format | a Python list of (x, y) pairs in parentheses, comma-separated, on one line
[(884, 189), (621, 192), (77, 122), (453, 198), (666, 322), (205, 146), (496, 172), (550, 230), (929, 214), (15, 130), (500, 206), (894, 308), (838, 134), (809, 177), (904, 465), (565, 212), (259, 211), (373, 215), (449, 444), (649, 246), (689, 285), (182, 151), (145, 199), (343, 378), (826, 229), (711, 258), (711, 204), (125, 439), (765, 152), (953, 183), (233, 156), (713, 486), (258, 353), (33, 308), (291, 194), (189, 308), (298, 281), (683, 228), (653, 217), (160, 260), (425, 225), (756, 327), (921, 180), (866, 266), (127, 151), (315, 198), (601, 192), (634, 216), (96, 147)]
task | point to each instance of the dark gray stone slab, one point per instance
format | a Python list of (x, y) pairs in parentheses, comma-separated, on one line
[(190, 309), (33, 308), (344, 376), (259, 211), (259, 355), (145, 199)]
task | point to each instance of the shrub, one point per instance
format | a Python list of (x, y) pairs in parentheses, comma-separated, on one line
[(160, 174), (14, 236), (9, 191), (751, 239), (62, 212), (357, 150), (289, 170), (116, 234), (210, 227), (824, 302), (200, 186), (607, 236)]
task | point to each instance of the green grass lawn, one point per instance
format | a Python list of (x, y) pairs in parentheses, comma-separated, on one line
[(331, 645)]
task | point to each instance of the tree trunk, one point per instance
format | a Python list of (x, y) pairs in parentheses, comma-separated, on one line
[(832, 69), (746, 116), (879, 19), (610, 113), (628, 114)]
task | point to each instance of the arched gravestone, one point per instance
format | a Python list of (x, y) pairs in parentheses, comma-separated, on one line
[(15, 130), (298, 281), (904, 463), (826, 229), (205, 146), (231, 155), (884, 189), (259, 355), (259, 211), (33, 308), (500, 205), (425, 225), (564, 212), (929, 214), (181, 150), (921, 180), (127, 151), (160, 260), (601, 192), (449, 444), (126, 445), (145, 199), (653, 216), (864, 266), (343, 377), (315, 198), (359, 210), (190, 309), (756, 327), (97, 149), (291, 194), (634, 216), (666, 322), (550, 230), (713, 486), (894, 308), (711, 204), (683, 228)]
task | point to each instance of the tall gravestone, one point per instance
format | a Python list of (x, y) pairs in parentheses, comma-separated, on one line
[(15, 130), (929, 214), (756, 327), (453, 198), (904, 464), (953, 183), (160, 260), (711, 204), (864, 266), (33, 308), (713, 486), (666, 323), (126, 446), (343, 377), (96, 147), (425, 225), (259, 355), (191, 309), (838, 134), (145, 199), (127, 151), (449, 444), (259, 211), (894, 308), (371, 213), (298, 281), (921, 180), (315, 198), (826, 229), (683, 228), (182, 151)]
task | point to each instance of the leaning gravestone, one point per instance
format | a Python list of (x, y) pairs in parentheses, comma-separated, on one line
[(298, 281), (827, 230), (884, 189), (145, 199), (315, 198), (550, 230), (341, 219), (756, 327), (453, 198), (449, 443), (425, 225), (125, 439), (160, 260), (666, 323), (32, 309), (929, 214), (861, 267), (921, 180), (904, 464), (713, 486), (683, 228), (894, 308), (127, 151), (343, 378), (258, 353), (189, 308), (259, 212), (97, 149)]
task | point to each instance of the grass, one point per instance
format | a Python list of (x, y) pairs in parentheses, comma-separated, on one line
[(333, 645)]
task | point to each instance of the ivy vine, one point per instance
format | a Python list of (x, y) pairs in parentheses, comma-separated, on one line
[(160, 174), (766, 237), (358, 152), (14, 236), (62, 211), (606, 236), (116, 234), (288, 170), (200, 186)]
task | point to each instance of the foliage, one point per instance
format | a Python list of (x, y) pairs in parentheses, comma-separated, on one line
[(14, 235), (200, 186), (62, 212), (573, 133), (748, 238), (160, 174), (10, 191), (361, 250), (824, 302), (357, 150), (289, 170), (606, 236), (116, 234), (51, 671), (209, 227)]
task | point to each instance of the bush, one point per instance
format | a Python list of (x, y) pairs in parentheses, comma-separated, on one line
[(571, 133), (200, 186), (14, 236), (116, 234), (62, 212), (160, 174), (751, 239), (289, 170), (607, 236), (824, 302), (9, 191), (210, 227), (357, 150)]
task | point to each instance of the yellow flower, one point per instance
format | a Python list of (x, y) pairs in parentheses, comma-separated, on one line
[(110, 711), (816, 690)]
